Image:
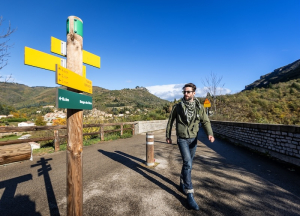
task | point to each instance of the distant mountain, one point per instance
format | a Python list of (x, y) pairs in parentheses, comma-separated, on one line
[(21, 96), (282, 74)]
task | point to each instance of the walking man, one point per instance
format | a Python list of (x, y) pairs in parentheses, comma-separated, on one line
[(188, 114)]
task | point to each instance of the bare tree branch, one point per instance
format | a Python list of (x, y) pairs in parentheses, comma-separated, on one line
[(212, 85), (4, 46)]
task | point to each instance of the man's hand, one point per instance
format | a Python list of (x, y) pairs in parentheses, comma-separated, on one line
[(211, 138), (169, 140)]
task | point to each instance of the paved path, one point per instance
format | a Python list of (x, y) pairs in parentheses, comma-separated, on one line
[(228, 180)]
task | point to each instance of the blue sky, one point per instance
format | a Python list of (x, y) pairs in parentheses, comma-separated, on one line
[(160, 44)]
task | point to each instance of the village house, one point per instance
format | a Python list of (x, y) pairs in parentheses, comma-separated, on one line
[(49, 117), (3, 116), (26, 124), (48, 106), (108, 115)]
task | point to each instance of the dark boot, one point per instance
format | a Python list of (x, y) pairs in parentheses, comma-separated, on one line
[(191, 202)]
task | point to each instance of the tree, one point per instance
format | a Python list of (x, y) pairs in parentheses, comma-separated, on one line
[(40, 121), (59, 121), (213, 87), (4, 47)]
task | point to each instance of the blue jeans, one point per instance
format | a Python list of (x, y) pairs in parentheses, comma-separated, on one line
[(187, 149)]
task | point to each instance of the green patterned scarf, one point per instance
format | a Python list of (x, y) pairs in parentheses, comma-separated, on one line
[(189, 109)]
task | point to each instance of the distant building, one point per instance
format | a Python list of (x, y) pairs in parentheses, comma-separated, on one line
[(48, 106), (3, 116), (38, 111), (51, 116), (25, 124), (108, 115)]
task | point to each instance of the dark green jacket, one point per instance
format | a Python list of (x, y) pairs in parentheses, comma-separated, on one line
[(185, 129)]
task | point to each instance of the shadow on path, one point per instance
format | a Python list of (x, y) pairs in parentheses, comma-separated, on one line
[(123, 158), (19, 205), (44, 170), (148, 170), (267, 168), (263, 184)]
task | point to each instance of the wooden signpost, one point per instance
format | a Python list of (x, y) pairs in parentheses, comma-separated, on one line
[(70, 73)]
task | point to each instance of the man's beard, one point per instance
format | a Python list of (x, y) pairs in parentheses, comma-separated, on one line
[(189, 98)]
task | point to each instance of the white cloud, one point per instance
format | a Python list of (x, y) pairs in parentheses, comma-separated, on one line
[(172, 91), (128, 81), (167, 92)]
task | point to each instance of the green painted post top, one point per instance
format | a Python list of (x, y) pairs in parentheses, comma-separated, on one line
[(78, 27)]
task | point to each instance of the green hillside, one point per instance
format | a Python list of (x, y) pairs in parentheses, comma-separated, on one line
[(22, 96), (277, 104)]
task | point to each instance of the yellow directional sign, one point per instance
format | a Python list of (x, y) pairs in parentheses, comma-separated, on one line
[(42, 60), (84, 71), (46, 61), (59, 47), (207, 103), (73, 80), (90, 59)]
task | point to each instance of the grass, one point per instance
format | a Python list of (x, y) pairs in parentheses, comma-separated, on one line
[(14, 137)]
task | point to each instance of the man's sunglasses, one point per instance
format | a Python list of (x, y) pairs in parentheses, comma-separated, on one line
[(187, 92)]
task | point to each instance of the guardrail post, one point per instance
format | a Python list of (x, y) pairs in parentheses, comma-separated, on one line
[(102, 133), (150, 149), (121, 130), (56, 141)]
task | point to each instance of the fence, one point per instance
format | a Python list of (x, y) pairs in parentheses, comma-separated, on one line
[(56, 135)]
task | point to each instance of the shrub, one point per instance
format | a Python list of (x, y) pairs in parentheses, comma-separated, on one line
[(40, 121), (15, 119), (296, 86), (59, 121)]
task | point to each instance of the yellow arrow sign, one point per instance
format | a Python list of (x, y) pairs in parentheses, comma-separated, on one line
[(42, 60), (73, 80), (90, 59), (46, 61), (59, 47)]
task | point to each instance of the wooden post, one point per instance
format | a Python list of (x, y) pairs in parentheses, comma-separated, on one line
[(74, 125), (133, 130), (150, 149), (56, 141), (102, 133), (121, 130)]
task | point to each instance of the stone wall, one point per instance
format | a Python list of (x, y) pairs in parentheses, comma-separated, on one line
[(280, 141), (147, 126)]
